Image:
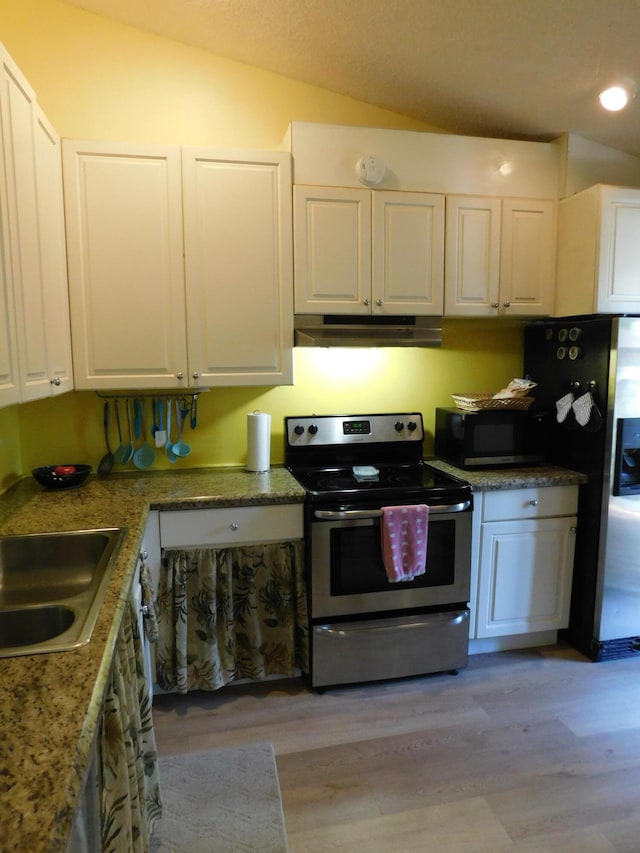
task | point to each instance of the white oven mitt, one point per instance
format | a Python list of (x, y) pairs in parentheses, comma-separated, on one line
[(563, 407), (582, 408)]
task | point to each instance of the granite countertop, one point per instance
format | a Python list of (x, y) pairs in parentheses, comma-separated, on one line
[(534, 476), (50, 703)]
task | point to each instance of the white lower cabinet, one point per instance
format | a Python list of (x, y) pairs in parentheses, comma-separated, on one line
[(260, 531), (525, 560), (85, 832), (150, 558), (229, 526)]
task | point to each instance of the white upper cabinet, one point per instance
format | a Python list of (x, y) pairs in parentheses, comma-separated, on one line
[(360, 251), (9, 388), (332, 250), (472, 260), (151, 309), (500, 257), (53, 254), (599, 252), (125, 254), (408, 253), (20, 221), (238, 264), (33, 249)]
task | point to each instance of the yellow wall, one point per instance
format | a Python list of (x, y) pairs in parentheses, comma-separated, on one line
[(96, 78), (99, 79)]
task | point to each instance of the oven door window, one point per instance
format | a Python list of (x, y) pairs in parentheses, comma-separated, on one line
[(357, 566)]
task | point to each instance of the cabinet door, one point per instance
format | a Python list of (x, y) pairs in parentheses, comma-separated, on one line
[(472, 256), (525, 576), (53, 254), (23, 263), (86, 829), (527, 264), (408, 253), (9, 387), (150, 555), (332, 250), (9, 375), (618, 289), (238, 266), (123, 207)]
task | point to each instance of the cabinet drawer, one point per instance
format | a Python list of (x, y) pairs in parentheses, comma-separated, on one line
[(530, 503), (244, 525)]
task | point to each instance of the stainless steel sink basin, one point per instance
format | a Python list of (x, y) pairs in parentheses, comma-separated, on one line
[(51, 588), (25, 626)]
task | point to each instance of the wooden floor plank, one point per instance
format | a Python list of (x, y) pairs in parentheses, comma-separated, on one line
[(528, 751)]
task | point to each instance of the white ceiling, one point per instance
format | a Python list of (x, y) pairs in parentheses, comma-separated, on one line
[(524, 69)]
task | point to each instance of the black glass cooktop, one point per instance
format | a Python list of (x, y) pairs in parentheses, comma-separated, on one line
[(401, 481)]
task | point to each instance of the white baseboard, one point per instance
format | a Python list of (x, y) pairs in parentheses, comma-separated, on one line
[(514, 641)]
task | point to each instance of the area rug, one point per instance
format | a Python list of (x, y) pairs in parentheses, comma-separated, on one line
[(221, 801)]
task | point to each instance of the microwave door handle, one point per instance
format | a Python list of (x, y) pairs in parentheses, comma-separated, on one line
[(345, 514)]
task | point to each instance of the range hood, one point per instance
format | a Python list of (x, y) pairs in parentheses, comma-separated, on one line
[(338, 330)]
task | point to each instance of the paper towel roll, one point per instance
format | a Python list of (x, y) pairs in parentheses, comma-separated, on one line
[(258, 441)]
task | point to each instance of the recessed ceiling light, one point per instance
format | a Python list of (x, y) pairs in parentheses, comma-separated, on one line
[(617, 97)]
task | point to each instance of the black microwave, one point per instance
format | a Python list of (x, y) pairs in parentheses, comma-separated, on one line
[(489, 438)]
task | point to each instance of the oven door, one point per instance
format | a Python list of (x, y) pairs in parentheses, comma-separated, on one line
[(348, 577)]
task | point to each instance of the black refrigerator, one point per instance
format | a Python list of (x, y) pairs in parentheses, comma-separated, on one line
[(587, 371)]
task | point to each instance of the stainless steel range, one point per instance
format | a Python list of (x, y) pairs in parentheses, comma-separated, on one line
[(365, 626)]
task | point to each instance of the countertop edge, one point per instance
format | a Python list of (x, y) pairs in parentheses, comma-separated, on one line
[(499, 479)]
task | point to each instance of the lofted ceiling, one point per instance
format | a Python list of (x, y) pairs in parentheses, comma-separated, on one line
[(523, 69)]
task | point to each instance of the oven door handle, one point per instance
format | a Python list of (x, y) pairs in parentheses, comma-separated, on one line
[(346, 514)]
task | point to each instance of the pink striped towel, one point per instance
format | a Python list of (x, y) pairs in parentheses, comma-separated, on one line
[(404, 541)]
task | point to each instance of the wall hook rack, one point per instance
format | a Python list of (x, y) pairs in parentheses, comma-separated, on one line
[(150, 395), (186, 401)]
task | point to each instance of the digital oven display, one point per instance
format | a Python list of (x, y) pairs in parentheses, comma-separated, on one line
[(356, 427)]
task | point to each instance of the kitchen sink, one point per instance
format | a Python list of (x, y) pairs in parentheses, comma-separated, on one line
[(25, 626), (51, 588)]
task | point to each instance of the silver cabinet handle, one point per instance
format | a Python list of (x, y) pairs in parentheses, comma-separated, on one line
[(495, 304), (234, 526), (180, 375), (55, 380), (507, 304), (378, 301), (196, 374), (365, 301), (533, 502)]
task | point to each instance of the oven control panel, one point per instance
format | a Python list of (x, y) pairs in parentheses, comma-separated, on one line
[(353, 429)]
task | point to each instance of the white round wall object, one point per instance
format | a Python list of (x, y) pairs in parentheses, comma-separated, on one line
[(369, 170)]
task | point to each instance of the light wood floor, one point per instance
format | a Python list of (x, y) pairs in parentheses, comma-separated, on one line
[(535, 750)]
